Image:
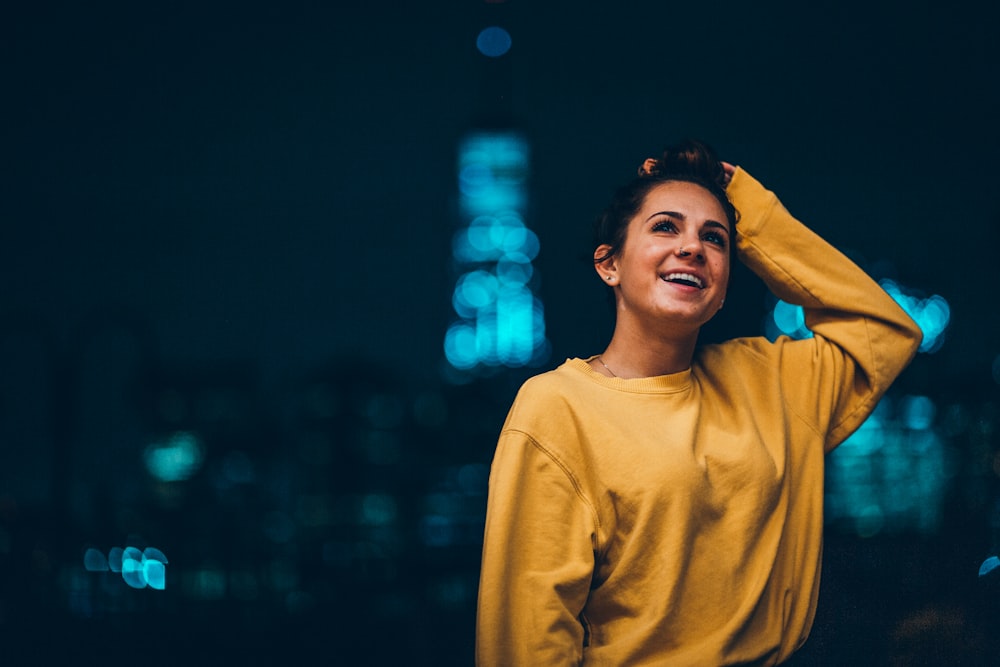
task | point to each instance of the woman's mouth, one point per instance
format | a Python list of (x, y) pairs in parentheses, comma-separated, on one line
[(682, 278)]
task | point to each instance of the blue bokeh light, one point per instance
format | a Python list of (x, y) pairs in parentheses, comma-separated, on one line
[(378, 509), (138, 568), (208, 583), (989, 565), (932, 314), (155, 574), (460, 346), (437, 530), (115, 559), (493, 41), (133, 571), (501, 321), (492, 238), (892, 474), (95, 561), (492, 171), (175, 459), (788, 320), (515, 270), (475, 291), (917, 412), (237, 468)]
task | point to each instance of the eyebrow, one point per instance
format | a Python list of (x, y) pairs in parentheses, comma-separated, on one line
[(683, 218)]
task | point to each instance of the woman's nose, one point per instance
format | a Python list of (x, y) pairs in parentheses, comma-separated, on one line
[(691, 247)]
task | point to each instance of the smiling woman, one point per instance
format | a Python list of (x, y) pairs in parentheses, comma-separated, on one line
[(661, 502), (670, 276)]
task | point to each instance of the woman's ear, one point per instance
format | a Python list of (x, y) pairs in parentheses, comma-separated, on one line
[(605, 264)]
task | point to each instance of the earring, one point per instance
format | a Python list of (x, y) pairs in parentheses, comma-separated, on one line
[(608, 277)]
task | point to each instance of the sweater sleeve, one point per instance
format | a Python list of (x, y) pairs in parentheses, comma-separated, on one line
[(862, 338), (538, 559)]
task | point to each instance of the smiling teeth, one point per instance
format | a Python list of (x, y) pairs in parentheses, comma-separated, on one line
[(685, 276)]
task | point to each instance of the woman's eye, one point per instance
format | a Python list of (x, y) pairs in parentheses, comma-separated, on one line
[(664, 226), (716, 238)]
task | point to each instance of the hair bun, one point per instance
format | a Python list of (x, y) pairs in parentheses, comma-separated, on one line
[(650, 167), (688, 159)]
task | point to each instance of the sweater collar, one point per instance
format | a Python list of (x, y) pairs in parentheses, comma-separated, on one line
[(658, 384)]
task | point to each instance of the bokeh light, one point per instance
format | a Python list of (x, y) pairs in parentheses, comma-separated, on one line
[(174, 459), (786, 320), (892, 474), (95, 561), (932, 314), (493, 41), (139, 568), (501, 321)]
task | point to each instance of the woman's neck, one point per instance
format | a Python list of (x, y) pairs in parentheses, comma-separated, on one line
[(630, 355)]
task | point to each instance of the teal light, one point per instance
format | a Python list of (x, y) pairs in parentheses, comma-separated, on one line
[(175, 459), (378, 509), (237, 468), (892, 474), (917, 412), (932, 314), (155, 574), (209, 583), (437, 531), (476, 291), (132, 568), (460, 346), (492, 172), (790, 320), (115, 559), (138, 568), (95, 561), (482, 237), (493, 238), (486, 337), (989, 565), (514, 270), (500, 320)]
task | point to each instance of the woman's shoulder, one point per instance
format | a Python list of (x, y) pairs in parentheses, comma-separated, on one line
[(565, 377), (546, 396)]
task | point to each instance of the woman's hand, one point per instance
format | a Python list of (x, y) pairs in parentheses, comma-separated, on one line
[(729, 170)]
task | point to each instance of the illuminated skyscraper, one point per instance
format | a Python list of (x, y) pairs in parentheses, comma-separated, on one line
[(498, 319)]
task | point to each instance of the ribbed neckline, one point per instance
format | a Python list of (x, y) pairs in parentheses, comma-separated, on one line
[(658, 384)]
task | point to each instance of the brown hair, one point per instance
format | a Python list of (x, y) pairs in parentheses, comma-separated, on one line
[(691, 161)]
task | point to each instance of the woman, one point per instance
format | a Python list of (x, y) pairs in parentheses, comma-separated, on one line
[(660, 503)]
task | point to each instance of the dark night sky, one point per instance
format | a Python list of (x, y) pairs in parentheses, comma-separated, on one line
[(276, 184)]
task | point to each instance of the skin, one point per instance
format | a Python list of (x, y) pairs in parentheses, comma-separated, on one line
[(681, 228)]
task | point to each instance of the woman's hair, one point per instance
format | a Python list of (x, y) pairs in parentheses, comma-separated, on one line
[(691, 161)]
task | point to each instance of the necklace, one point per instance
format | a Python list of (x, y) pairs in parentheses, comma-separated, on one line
[(606, 366)]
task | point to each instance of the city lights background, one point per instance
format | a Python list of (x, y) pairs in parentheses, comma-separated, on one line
[(272, 273)]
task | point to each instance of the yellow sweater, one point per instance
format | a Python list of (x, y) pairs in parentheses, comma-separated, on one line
[(677, 520)]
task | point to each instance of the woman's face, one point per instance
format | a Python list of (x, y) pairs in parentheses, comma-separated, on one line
[(673, 268)]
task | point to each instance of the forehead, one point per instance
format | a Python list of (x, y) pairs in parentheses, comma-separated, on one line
[(690, 199)]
